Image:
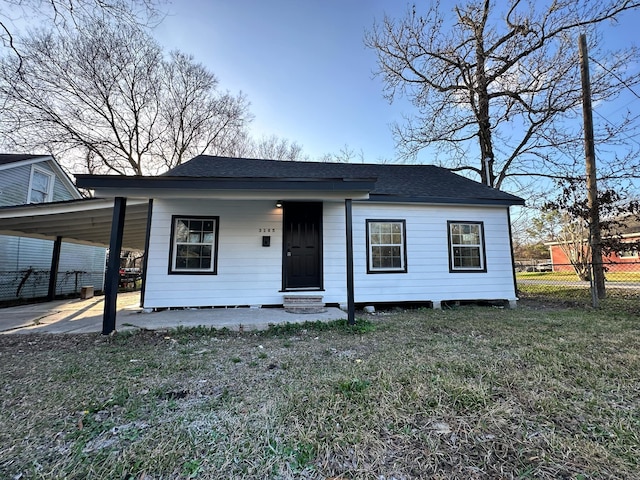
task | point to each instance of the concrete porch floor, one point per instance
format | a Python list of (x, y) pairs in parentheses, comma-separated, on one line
[(85, 316)]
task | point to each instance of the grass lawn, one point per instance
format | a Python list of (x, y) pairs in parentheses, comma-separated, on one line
[(544, 391)]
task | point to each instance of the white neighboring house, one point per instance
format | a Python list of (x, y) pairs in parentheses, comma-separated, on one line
[(251, 232), (25, 262)]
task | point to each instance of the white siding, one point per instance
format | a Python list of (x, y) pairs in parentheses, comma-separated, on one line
[(14, 185), (428, 277), (249, 274), (335, 253)]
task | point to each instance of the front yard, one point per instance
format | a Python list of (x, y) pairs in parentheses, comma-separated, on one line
[(471, 393)]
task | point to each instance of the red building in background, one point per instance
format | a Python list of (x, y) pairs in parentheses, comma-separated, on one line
[(619, 261)]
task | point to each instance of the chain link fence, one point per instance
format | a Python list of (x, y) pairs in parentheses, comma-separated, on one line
[(560, 281), (30, 284)]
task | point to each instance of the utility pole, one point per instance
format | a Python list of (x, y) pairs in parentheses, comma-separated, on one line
[(595, 240)]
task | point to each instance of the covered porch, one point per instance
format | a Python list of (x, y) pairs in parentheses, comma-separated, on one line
[(120, 217)]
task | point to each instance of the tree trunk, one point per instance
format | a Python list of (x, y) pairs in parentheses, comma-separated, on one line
[(484, 120)]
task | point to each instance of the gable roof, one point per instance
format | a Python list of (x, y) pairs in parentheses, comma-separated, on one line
[(393, 182), (14, 160), (9, 158)]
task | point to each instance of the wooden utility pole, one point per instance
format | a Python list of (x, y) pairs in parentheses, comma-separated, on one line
[(595, 240)]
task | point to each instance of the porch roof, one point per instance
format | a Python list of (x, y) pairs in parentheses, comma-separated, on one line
[(168, 186)]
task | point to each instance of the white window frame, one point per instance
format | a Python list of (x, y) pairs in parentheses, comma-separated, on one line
[(48, 195), (480, 245), (175, 245), (371, 268)]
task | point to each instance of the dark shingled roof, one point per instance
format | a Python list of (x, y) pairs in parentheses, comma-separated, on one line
[(399, 182), (7, 158)]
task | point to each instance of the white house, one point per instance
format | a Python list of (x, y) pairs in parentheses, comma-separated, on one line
[(235, 231), (26, 263)]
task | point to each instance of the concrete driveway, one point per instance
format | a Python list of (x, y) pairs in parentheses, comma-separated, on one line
[(85, 316)]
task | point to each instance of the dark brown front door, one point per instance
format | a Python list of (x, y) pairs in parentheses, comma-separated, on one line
[(302, 245)]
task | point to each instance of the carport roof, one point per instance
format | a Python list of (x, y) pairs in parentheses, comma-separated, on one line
[(85, 221)]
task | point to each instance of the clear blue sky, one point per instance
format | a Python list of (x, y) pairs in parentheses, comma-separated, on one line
[(302, 64), (304, 67)]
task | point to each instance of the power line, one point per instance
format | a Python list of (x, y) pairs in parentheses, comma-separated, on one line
[(628, 87)]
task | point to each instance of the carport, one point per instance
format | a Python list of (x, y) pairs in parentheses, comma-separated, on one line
[(91, 221)]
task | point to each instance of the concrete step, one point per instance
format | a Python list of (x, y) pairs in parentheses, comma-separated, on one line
[(305, 309), (303, 298), (304, 304)]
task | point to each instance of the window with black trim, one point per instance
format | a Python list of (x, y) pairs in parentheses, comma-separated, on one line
[(466, 247), (194, 245), (386, 246)]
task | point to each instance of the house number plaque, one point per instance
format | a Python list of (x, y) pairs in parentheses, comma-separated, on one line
[(266, 230)]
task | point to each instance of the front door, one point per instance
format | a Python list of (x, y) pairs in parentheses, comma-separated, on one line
[(302, 248)]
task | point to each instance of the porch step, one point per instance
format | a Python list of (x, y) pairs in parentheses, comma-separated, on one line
[(304, 304)]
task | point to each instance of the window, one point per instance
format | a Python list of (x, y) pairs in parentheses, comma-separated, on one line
[(386, 246), (194, 245), (466, 247), (40, 186)]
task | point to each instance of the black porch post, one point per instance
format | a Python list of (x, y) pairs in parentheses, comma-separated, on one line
[(113, 266), (55, 263), (146, 253), (351, 309)]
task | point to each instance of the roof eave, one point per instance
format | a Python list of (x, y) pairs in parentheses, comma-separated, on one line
[(111, 186), (447, 200)]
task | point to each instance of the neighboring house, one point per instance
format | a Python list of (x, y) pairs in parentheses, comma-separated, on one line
[(626, 260), (25, 263), (246, 232)]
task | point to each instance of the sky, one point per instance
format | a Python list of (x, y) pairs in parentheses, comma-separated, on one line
[(304, 67), (302, 64)]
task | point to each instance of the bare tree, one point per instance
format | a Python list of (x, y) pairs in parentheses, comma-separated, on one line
[(105, 92), (565, 221), (497, 90), (269, 147), (345, 155), (64, 12), (198, 120), (569, 233), (275, 148)]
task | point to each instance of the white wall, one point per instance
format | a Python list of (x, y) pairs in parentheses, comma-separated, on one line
[(249, 274), (428, 277)]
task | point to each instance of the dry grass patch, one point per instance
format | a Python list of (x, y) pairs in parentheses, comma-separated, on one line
[(474, 392)]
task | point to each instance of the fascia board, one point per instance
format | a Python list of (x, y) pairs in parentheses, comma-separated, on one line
[(54, 208)]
